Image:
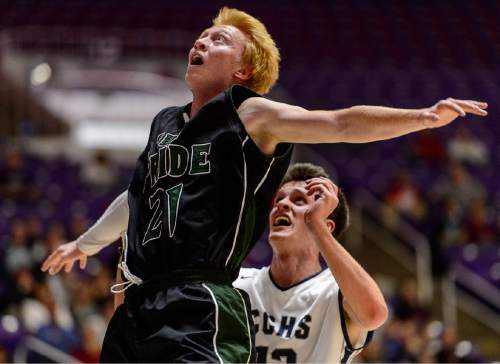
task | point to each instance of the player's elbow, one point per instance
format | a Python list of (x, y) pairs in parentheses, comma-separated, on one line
[(376, 315)]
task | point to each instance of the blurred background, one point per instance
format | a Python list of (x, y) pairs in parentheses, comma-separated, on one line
[(81, 80)]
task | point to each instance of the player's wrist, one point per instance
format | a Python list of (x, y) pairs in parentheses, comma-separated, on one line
[(317, 226)]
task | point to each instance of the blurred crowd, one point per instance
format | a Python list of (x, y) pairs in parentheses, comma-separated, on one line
[(69, 311), (411, 335), (449, 202)]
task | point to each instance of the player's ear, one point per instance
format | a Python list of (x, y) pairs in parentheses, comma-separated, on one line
[(243, 74), (330, 224)]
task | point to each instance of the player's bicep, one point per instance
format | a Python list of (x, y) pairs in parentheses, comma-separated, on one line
[(283, 123)]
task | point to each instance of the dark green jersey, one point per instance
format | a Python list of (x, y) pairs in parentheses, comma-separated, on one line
[(201, 191)]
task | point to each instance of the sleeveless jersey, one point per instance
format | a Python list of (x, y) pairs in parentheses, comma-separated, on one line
[(201, 191), (302, 323)]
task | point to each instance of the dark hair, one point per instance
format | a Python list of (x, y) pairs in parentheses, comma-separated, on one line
[(305, 171)]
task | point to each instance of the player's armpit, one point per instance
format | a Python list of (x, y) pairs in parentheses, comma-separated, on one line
[(354, 328)]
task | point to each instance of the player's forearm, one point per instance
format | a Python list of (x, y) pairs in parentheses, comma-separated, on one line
[(108, 228), (359, 289), (358, 124), (361, 124)]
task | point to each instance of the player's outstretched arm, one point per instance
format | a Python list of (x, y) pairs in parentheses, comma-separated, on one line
[(106, 230), (269, 122), (363, 300)]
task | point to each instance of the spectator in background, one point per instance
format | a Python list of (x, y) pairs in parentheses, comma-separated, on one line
[(460, 186), (41, 310), (406, 305), (464, 147), (446, 353), (23, 286), (55, 236), (449, 232), (99, 172), (18, 254), (92, 330), (393, 345), (55, 334), (428, 147), (35, 230), (478, 227), (16, 182), (77, 225), (402, 196)]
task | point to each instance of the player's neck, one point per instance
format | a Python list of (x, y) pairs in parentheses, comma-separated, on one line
[(201, 97), (288, 269)]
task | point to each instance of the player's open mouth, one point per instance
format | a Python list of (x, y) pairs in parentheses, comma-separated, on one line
[(196, 60), (282, 220)]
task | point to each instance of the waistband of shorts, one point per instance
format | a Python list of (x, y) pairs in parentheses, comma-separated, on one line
[(181, 277)]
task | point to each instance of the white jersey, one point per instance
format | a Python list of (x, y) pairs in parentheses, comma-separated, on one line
[(302, 323)]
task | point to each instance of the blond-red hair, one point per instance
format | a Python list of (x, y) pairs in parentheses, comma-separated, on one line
[(260, 54)]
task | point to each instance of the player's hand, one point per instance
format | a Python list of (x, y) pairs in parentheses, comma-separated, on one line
[(64, 257), (325, 194), (445, 111)]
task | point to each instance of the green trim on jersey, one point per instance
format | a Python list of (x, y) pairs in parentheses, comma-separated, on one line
[(233, 341)]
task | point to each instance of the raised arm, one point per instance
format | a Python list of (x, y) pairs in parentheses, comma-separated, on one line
[(107, 229), (363, 301), (269, 122)]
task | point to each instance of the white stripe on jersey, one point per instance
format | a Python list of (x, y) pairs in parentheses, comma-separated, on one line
[(214, 339), (242, 201), (302, 322), (248, 327), (263, 178)]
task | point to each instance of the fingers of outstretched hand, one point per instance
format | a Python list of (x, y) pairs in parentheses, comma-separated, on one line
[(68, 266), (451, 105), (57, 266), (480, 104), (472, 107), (51, 260), (56, 261)]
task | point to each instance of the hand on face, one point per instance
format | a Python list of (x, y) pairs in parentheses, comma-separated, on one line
[(445, 111), (325, 195)]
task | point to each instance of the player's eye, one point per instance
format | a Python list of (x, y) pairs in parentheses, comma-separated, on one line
[(299, 200)]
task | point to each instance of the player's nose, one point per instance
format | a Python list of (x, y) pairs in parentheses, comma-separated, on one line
[(283, 204), (200, 44)]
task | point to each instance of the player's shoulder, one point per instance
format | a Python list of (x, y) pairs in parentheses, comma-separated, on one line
[(248, 273), (168, 112), (247, 277), (323, 284), (163, 117)]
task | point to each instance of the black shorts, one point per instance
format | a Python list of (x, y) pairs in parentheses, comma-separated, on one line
[(191, 322)]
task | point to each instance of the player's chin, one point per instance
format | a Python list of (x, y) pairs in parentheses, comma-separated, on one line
[(279, 233), (193, 75)]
